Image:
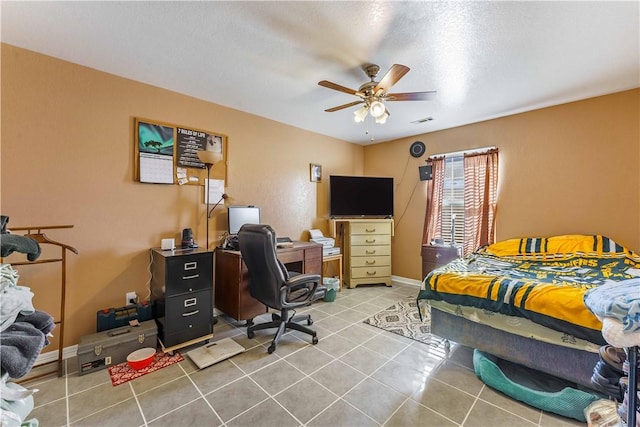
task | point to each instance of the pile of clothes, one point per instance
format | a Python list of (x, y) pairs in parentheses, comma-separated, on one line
[(24, 331)]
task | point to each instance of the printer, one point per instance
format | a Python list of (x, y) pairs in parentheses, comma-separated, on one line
[(317, 237), (327, 243)]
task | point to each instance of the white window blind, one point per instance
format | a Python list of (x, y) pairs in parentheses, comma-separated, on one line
[(453, 200)]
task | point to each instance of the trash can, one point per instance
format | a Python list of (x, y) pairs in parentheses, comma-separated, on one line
[(332, 284)]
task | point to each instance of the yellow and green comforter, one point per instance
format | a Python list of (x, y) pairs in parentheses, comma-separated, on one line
[(541, 279)]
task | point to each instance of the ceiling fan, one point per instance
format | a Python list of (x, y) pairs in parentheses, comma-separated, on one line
[(373, 94)]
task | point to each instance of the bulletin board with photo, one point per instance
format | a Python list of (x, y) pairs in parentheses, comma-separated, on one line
[(168, 154)]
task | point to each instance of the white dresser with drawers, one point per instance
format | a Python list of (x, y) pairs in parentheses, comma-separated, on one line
[(366, 244)]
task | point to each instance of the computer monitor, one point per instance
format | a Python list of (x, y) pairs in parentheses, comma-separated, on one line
[(241, 215)]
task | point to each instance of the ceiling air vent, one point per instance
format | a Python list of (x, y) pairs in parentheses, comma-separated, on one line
[(426, 119)]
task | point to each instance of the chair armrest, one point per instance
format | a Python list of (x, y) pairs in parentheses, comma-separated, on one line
[(301, 279), (308, 283)]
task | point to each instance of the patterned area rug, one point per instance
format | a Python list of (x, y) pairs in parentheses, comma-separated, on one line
[(122, 372), (403, 318)]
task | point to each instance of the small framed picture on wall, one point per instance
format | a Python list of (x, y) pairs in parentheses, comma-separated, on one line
[(315, 172)]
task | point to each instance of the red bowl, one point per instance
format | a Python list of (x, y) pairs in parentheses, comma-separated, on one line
[(141, 358)]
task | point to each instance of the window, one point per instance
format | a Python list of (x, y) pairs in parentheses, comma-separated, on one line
[(453, 200), (461, 199)]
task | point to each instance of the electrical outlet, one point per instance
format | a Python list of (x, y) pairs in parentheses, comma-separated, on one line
[(129, 297)]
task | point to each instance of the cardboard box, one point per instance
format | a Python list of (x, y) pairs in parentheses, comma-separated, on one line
[(98, 351)]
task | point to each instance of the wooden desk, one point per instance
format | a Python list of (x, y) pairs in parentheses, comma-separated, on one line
[(232, 278)]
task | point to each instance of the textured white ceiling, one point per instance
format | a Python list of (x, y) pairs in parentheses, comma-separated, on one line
[(485, 59)]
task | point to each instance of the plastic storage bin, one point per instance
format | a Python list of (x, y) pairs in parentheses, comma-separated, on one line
[(332, 284)]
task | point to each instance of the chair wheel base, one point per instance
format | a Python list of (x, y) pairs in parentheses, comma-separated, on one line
[(250, 334), (271, 348), (314, 341)]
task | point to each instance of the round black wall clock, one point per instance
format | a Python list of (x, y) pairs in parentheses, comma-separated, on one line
[(417, 149)]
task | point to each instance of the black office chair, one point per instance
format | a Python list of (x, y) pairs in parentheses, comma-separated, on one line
[(271, 283)]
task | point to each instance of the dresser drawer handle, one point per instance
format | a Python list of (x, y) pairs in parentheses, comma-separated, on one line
[(371, 274), (191, 313), (191, 265), (195, 276), (373, 230), (191, 301), (438, 255), (370, 252), (370, 241), (370, 262)]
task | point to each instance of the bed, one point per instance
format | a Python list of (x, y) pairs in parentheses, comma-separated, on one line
[(522, 300)]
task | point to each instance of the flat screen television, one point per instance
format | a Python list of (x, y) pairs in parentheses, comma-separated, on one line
[(241, 215), (360, 196)]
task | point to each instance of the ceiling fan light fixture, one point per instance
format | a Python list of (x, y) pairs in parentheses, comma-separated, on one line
[(360, 114), (374, 93), (377, 109), (383, 118)]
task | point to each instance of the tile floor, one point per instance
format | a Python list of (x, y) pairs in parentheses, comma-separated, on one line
[(357, 375)]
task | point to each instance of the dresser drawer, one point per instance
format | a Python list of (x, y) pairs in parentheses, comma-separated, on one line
[(194, 331), (370, 228), (189, 273), (185, 311), (370, 250), (439, 254), (370, 272), (370, 261), (374, 239)]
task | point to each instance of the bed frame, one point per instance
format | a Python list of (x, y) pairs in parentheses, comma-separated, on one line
[(570, 364), (563, 362)]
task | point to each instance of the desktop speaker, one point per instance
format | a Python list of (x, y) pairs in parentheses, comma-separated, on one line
[(187, 238)]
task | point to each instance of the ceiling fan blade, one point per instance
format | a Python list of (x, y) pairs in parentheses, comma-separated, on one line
[(411, 96), (341, 107), (395, 73), (336, 86)]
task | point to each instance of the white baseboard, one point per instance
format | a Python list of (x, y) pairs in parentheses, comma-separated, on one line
[(52, 356), (406, 281)]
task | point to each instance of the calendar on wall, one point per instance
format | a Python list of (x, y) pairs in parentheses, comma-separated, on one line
[(168, 154)]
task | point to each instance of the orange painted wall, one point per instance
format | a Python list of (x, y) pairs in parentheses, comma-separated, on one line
[(67, 157), (572, 168)]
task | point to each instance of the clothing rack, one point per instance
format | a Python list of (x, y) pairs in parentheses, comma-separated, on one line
[(38, 235), (633, 385)]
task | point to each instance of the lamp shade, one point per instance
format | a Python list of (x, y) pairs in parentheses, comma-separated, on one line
[(383, 118), (377, 109), (209, 157), (360, 114)]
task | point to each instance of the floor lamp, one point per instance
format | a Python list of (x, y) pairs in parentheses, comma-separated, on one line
[(210, 158)]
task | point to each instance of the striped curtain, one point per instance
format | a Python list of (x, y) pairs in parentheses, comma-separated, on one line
[(480, 195), (433, 218)]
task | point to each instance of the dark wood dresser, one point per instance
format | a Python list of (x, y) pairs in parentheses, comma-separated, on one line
[(434, 256)]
